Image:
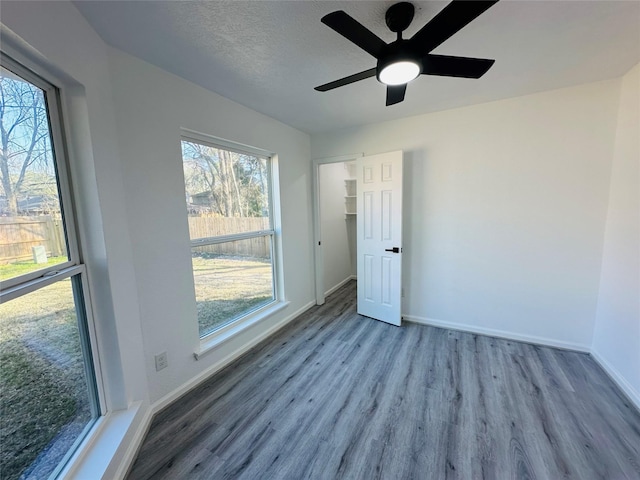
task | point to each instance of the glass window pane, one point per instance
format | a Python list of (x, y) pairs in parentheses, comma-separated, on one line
[(46, 401), (226, 192), (32, 234), (231, 279)]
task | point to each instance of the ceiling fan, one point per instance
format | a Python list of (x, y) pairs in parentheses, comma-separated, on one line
[(403, 60)]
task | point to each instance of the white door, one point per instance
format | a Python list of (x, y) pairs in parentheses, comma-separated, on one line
[(379, 181)]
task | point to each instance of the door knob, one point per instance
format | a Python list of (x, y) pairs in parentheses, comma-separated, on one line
[(394, 250)]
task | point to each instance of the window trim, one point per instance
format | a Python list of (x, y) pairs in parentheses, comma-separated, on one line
[(216, 338), (59, 116), (212, 339), (60, 156), (16, 61), (221, 143)]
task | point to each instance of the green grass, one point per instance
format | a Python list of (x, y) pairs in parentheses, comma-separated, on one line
[(32, 416), (12, 270), (216, 313), (228, 287), (42, 383)]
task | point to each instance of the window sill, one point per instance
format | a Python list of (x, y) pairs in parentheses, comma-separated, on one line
[(217, 338), (93, 457)]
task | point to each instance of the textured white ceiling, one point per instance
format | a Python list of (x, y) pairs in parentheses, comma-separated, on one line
[(269, 55)]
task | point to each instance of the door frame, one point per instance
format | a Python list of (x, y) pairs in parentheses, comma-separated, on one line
[(317, 229)]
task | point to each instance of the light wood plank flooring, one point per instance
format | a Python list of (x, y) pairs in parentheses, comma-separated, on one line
[(338, 396)]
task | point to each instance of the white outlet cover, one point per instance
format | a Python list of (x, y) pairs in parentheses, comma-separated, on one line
[(161, 361)]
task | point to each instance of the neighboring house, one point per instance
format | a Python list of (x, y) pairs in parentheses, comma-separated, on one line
[(202, 199), (32, 205), (199, 203)]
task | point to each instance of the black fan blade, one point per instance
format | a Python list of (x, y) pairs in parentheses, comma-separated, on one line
[(347, 80), (447, 66), (395, 93), (449, 21), (354, 31)]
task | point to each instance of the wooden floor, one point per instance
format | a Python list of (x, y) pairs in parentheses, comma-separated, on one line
[(339, 396)]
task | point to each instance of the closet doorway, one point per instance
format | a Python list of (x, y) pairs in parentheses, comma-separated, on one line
[(335, 190)]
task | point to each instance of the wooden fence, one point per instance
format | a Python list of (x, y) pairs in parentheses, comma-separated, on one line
[(19, 234), (205, 227)]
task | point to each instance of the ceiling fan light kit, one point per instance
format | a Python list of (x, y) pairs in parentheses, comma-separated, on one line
[(398, 73), (402, 61)]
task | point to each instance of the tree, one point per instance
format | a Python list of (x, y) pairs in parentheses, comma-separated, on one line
[(25, 146), (236, 183)]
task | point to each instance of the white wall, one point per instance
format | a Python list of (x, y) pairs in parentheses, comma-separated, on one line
[(59, 37), (336, 252), (616, 340), (504, 220), (55, 36), (125, 119), (151, 108), (505, 205)]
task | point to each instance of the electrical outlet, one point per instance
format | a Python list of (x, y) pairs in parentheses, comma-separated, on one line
[(161, 361)]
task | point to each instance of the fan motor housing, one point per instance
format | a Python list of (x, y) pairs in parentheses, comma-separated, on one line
[(399, 16)]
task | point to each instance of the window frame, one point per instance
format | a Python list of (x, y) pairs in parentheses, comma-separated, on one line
[(60, 156), (74, 268), (208, 339)]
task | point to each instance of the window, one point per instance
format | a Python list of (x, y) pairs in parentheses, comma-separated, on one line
[(49, 397), (228, 194)]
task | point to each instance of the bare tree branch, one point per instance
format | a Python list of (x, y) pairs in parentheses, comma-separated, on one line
[(24, 138)]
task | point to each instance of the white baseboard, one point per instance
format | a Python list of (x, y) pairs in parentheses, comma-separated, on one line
[(136, 442), (220, 364), (138, 438), (627, 389), (547, 342), (339, 285), (631, 393)]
